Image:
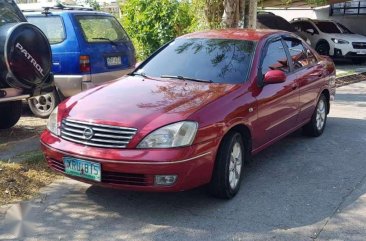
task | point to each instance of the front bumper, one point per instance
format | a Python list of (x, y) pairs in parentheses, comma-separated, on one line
[(347, 51), (135, 169)]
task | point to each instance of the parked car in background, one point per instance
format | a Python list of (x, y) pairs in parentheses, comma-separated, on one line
[(25, 63), (192, 113), (333, 39), (268, 20), (88, 48)]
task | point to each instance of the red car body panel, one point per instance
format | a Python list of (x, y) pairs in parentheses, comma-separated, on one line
[(269, 113)]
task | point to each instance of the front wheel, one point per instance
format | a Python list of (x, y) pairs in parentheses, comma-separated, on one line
[(323, 48), (318, 120), (10, 113), (43, 105), (228, 170)]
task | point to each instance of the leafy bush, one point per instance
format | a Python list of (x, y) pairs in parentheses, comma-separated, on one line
[(151, 24)]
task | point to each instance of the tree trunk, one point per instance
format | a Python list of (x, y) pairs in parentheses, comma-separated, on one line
[(252, 20), (230, 18), (213, 12)]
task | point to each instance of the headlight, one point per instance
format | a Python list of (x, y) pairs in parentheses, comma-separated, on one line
[(52, 124), (174, 135), (339, 41)]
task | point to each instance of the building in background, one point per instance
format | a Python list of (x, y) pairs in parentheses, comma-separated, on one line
[(352, 14)]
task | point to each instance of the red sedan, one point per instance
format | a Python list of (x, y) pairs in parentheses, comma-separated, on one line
[(193, 113)]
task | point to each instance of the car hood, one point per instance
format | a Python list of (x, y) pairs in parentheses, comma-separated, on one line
[(135, 101), (349, 37)]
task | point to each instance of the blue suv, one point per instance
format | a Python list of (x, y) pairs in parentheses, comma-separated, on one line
[(89, 48)]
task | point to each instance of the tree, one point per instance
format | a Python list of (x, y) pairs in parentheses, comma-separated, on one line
[(151, 24)]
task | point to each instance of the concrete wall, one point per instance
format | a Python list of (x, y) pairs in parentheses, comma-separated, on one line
[(356, 24)]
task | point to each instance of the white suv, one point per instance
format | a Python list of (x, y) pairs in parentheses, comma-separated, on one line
[(333, 39)]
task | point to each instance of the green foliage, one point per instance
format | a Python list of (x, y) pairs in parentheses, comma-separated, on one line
[(94, 4), (151, 24)]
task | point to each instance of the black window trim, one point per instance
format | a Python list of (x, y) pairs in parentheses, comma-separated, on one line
[(51, 15)]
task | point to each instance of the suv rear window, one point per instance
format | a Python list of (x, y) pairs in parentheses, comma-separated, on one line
[(51, 26), (101, 29), (9, 13)]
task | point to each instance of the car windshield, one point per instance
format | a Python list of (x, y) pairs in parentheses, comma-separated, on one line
[(214, 60), (9, 13), (328, 27), (344, 28), (51, 26), (101, 29)]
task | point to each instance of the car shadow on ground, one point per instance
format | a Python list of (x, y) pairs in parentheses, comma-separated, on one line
[(297, 182)]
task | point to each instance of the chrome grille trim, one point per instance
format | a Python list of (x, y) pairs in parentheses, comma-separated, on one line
[(103, 135)]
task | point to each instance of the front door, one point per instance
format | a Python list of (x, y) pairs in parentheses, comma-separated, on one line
[(277, 103)]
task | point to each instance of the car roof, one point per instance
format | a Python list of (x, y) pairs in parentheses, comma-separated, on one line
[(64, 12), (234, 33)]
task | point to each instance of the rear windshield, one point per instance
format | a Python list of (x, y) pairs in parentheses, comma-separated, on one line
[(9, 13), (101, 29), (51, 26), (275, 22), (327, 27), (218, 60)]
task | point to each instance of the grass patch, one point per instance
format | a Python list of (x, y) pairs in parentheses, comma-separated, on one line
[(22, 181)]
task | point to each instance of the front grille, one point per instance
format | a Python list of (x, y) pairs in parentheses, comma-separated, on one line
[(359, 45), (97, 135), (110, 177)]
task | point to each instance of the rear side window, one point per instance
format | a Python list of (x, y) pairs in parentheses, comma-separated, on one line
[(101, 29), (275, 58), (300, 55), (52, 27)]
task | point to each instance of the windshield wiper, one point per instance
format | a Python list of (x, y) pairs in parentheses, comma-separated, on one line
[(139, 74), (107, 39), (185, 78)]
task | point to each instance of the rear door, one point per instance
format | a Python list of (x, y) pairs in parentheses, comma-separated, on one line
[(109, 48), (309, 76)]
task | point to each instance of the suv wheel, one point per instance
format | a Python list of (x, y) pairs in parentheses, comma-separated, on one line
[(10, 113), (322, 48), (43, 105)]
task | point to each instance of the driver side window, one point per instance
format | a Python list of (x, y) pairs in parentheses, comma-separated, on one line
[(275, 58)]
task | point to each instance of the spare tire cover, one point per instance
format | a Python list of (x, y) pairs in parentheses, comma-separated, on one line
[(27, 55)]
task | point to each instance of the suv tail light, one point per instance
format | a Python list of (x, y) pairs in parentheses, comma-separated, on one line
[(84, 64)]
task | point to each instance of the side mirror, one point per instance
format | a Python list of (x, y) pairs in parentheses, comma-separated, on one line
[(274, 77), (311, 31)]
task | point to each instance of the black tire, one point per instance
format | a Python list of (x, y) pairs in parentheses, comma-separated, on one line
[(313, 128), (220, 185), (43, 105), (358, 61), (10, 113), (323, 48)]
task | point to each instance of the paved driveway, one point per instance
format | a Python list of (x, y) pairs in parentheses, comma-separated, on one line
[(299, 189)]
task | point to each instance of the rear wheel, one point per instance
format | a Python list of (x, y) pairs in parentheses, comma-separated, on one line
[(228, 170), (318, 120), (10, 113), (43, 105)]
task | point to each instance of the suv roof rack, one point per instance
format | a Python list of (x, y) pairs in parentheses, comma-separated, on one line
[(265, 12), (302, 18), (46, 7)]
